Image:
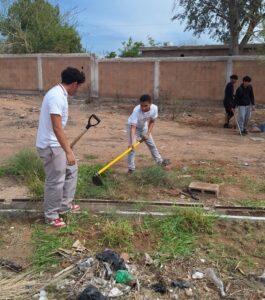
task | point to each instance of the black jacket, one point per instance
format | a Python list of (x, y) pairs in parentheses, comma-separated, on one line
[(244, 96), (229, 99)]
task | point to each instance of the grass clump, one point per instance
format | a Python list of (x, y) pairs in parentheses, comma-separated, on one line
[(153, 175), (179, 231), (117, 233), (45, 244), (28, 168), (85, 186), (253, 203)]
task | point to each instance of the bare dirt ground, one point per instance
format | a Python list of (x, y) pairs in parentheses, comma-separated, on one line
[(190, 135)]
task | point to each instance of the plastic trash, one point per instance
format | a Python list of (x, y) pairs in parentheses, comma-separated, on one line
[(91, 293), (113, 258), (181, 284), (123, 276), (115, 292), (85, 264), (197, 275), (43, 295), (262, 127), (261, 278), (210, 274), (159, 287)]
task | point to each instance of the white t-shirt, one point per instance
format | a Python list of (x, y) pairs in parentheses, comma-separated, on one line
[(54, 102), (140, 118)]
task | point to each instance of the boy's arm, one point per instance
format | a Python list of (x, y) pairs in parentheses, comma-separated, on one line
[(252, 98), (61, 137), (237, 96), (151, 125), (132, 135)]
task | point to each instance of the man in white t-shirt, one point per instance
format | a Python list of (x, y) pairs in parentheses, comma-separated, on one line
[(140, 125), (54, 149)]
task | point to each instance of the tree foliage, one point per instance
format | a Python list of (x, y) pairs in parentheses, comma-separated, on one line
[(230, 21), (130, 48), (36, 26)]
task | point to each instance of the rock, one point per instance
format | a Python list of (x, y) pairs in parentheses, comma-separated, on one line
[(148, 259), (189, 292)]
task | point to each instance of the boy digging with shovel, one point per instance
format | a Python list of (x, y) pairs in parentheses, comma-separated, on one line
[(140, 125)]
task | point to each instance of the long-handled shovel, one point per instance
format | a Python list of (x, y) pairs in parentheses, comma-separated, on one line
[(93, 120), (96, 179), (237, 124)]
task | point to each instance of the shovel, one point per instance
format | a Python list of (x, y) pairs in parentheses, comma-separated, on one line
[(93, 120), (96, 179)]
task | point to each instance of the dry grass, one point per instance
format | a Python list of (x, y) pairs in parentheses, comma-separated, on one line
[(22, 286)]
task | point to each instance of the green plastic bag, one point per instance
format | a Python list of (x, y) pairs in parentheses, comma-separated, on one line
[(123, 276)]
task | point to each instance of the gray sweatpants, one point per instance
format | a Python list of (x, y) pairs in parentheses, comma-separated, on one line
[(60, 182), (244, 116), (139, 133)]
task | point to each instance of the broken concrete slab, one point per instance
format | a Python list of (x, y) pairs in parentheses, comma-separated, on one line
[(204, 187)]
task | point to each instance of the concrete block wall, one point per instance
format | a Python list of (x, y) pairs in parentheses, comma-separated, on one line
[(180, 78)]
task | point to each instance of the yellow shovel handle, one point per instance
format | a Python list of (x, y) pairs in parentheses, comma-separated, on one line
[(119, 157)]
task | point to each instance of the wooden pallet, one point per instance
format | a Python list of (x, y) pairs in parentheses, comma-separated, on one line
[(203, 187)]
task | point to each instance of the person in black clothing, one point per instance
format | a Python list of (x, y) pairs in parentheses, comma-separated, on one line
[(229, 100), (244, 99)]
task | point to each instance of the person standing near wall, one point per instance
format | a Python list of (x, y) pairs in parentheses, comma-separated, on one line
[(54, 149), (245, 100), (229, 100)]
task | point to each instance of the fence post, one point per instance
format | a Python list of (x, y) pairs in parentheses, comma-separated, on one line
[(39, 70), (229, 69), (156, 79), (94, 77)]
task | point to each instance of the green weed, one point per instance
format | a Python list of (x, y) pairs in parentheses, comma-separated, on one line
[(85, 186), (179, 231), (45, 244), (28, 168), (253, 203), (117, 233), (154, 175), (253, 185)]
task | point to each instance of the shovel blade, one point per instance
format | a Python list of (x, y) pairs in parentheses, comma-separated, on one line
[(96, 179)]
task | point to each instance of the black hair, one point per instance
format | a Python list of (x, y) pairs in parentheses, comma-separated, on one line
[(234, 76), (70, 75), (247, 78), (145, 98)]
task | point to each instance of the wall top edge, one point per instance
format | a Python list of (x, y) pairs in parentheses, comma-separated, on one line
[(43, 55), (190, 58)]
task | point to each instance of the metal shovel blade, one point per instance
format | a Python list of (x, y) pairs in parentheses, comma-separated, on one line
[(96, 179)]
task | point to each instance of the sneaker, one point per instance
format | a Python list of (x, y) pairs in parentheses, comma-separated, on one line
[(75, 208), (165, 162), (245, 131), (226, 125), (58, 223), (130, 171)]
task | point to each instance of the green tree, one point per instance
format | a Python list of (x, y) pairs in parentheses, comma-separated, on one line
[(35, 26), (130, 48), (232, 22), (111, 54)]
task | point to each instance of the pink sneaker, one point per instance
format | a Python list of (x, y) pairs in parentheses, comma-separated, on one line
[(75, 208), (59, 223)]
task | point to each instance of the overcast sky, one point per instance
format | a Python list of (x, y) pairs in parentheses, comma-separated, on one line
[(105, 24)]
